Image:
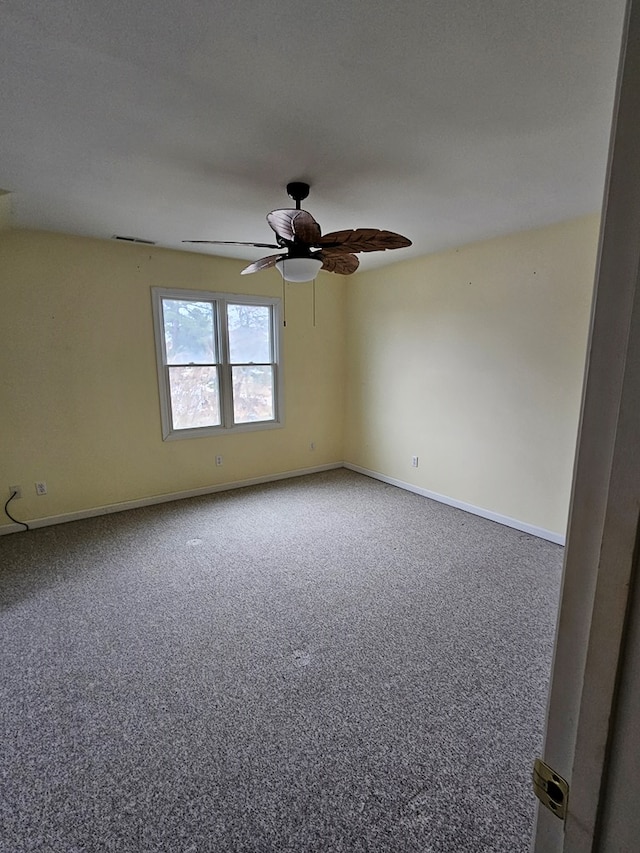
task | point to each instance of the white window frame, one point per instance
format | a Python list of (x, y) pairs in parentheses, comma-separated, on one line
[(221, 301)]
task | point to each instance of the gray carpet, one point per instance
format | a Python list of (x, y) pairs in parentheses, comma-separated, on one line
[(321, 664)]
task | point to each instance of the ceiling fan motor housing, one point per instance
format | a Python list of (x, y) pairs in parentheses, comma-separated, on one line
[(298, 250)]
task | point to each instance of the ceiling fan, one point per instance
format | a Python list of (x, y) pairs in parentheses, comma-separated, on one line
[(305, 250)]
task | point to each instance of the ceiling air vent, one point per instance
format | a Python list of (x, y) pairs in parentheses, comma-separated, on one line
[(133, 240)]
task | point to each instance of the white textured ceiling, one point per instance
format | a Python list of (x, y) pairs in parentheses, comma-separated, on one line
[(447, 121)]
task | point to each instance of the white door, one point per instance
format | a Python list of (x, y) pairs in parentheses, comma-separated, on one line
[(591, 738)]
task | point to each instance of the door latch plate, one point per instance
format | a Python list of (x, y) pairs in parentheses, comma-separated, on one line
[(550, 788)]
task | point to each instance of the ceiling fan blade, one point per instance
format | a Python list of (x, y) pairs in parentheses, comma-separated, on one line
[(295, 226), (363, 240), (235, 243), (282, 223), (338, 262), (262, 264), (306, 229)]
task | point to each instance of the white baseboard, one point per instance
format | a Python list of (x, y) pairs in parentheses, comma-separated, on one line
[(557, 538), (159, 499), (285, 475)]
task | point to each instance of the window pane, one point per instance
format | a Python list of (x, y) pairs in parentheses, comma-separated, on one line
[(249, 334), (252, 394), (195, 397), (189, 331)]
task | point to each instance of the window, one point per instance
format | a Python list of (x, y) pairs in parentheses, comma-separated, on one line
[(218, 362)]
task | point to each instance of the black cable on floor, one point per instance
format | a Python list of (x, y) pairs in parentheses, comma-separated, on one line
[(15, 520)]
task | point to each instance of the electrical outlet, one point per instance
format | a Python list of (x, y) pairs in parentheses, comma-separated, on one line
[(414, 461), (41, 488), (218, 460), (16, 491)]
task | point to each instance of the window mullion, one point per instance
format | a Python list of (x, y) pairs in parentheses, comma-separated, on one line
[(226, 385)]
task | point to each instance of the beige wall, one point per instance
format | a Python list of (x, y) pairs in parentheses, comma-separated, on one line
[(473, 361), (79, 392), (470, 359)]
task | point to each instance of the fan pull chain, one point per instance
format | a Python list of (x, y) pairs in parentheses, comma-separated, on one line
[(313, 290), (284, 297)]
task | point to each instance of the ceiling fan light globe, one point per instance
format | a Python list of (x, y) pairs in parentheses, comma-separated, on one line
[(299, 269)]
